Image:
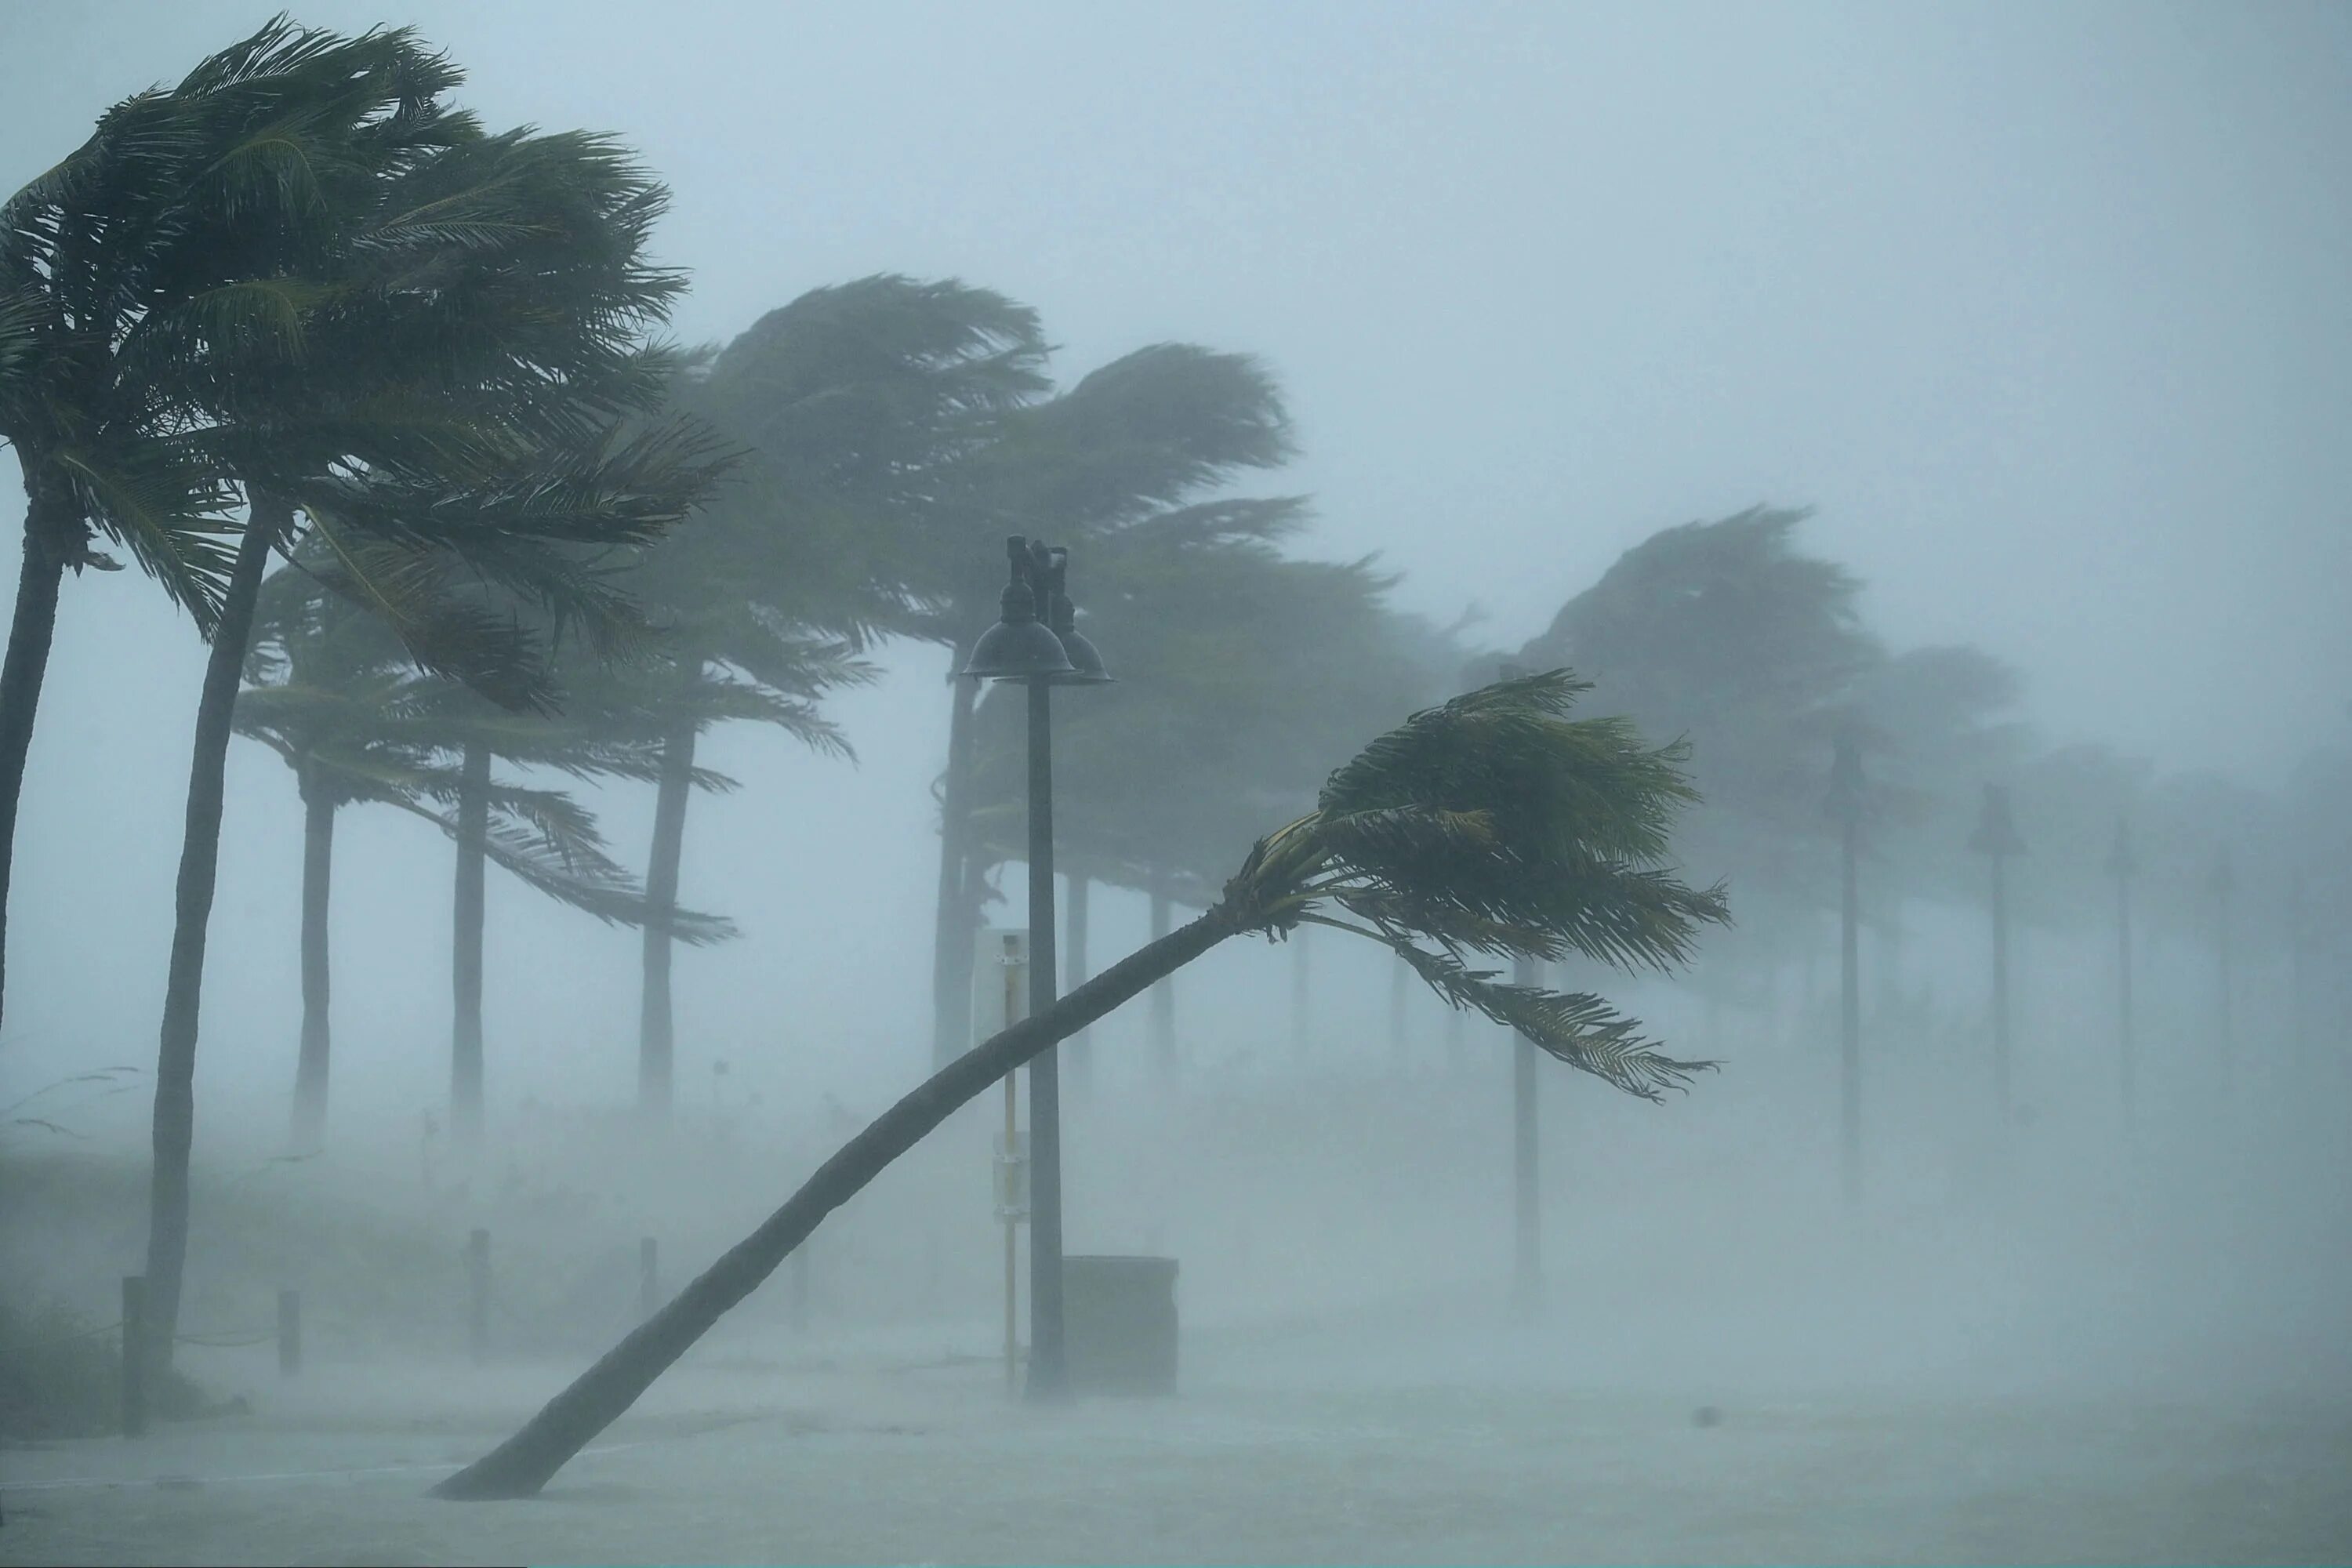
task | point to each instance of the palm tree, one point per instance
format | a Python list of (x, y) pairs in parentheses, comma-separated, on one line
[(1731, 635), (843, 404), (1233, 660), (163, 248), (862, 409), (1492, 825), (436, 370), (1133, 445), (494, 821), (335, 695)]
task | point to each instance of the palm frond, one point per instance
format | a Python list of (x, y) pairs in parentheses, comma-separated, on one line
[(1574, 1027), (1495, 825)]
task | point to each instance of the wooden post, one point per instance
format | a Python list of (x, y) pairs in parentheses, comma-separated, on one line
[(289, 1333), (648, 1278), (478, 1288), (134, 1355)]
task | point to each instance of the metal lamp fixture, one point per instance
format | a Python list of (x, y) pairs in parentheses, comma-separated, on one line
[(1086, 663), (1020, 645), (1036, 643)]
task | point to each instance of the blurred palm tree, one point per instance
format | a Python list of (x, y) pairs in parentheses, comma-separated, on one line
[(1133, 448), (1730, 635), (859, 408), (1236, 663), (301, 278), (339, 699), (1491, 827)]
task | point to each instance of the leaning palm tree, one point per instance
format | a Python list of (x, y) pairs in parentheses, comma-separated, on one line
[(170, 242), (862, 407), (1494, 827), (439, 372), (1141, 443), (1200, 624)]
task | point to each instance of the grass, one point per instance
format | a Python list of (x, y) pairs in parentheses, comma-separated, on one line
[(61, 1377)]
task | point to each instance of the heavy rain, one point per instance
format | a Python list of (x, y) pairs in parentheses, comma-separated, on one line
[(1280, 783)]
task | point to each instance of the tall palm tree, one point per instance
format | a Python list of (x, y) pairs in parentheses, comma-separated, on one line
[(844, 405), (437, 369), (164, 247), (1492, 826), (862, 409), (1233, 660), (1136, 444), (1731, 634), (336, 696)]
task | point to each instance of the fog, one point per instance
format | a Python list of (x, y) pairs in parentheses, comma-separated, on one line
[(2041, 310)]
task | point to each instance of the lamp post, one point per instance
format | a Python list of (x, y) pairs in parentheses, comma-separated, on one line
[(1036, 643), (1996, 839), (2122, 863), (1846, 810)]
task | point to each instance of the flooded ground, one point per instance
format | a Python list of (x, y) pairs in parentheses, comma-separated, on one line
[(1297, 1446), (2047, 1350)]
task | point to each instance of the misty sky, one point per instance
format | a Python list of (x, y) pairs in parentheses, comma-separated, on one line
[(2044, 307)]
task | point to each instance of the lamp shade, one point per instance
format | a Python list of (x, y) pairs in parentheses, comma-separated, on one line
[(1019, 650), (1086, 662), (1019, 647)]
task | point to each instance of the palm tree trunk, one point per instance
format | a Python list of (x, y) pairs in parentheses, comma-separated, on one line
[(521, 1465), (953, 932), (317, 875), (655, 1022), (466, 950), (1163, 992), (175, 1065), (29, 636), (1074, 974)]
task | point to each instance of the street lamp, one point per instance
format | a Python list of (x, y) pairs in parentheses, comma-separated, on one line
[(1996, 839), (1036, 643), (1844, 806)]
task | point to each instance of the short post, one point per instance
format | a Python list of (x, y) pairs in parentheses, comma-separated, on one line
[(648, 1278), (478, 1289), (289, 1333), (134, 1355)]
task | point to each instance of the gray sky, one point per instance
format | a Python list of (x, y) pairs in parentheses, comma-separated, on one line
[(2044, 307)]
